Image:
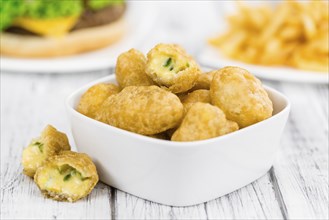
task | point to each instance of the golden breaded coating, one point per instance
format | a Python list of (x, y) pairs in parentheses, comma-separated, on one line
[(68, 176), (229, 127), (142, 109), (201, 95), (50, 143), (130, 69), (170, 66), (203, 121), (204, 80), (241, 96), (94, 97)]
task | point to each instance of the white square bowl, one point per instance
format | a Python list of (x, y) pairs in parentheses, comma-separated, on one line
[(178, 173)]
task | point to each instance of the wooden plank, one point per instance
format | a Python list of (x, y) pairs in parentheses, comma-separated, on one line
[(28, 103), (301, 169), (132, 207), (23, 200), (255, 201)]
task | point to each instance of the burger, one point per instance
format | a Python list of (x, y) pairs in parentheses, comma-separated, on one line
[(50, 28)]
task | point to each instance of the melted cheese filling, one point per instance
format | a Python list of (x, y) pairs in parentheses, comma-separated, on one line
[(33, 157), (166, 67), (69, 182)]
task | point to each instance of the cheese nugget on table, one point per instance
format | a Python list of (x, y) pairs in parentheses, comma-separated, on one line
[(170, 66), (145, 110), (68, 176), (50, 143), (203, 121), (93, 98), (241, 96), (130, 69)]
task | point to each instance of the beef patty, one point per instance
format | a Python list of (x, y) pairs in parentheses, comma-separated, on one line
[(103, 16)]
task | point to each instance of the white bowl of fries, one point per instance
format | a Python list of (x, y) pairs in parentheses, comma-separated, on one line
[(282, 41)]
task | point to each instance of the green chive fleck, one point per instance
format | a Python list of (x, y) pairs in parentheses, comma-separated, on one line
[(70, 172), (168, 62), (77, 173), (64, 169), (67, 177), (84, 178), (40, 145), (171, 68), (187, 65)]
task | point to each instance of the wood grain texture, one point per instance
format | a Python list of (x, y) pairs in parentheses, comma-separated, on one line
[(255, 201), (297, 186), (301, 168)]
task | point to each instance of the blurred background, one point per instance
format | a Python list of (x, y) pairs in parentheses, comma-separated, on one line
[(147, 23), (81, 36)]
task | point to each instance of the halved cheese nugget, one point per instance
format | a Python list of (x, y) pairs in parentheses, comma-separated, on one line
[(94, 97), (241, 96), (170, 66), (68, 176), (130, 69), (50, 142), (203, 121), (145, 110)]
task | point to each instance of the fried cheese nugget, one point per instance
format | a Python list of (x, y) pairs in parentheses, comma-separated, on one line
[(200, 95), (68, 176), (204, 80), (93, 98), (145, 110), (130, 69), (170, 66), (50, 143), (203, 121), (241, 96), (188, 99)]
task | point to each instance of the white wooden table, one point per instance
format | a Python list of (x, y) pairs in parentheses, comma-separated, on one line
[(295, 188)]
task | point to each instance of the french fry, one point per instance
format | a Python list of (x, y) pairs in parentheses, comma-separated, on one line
[(309, 26), (290, 33), (293, 33)]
